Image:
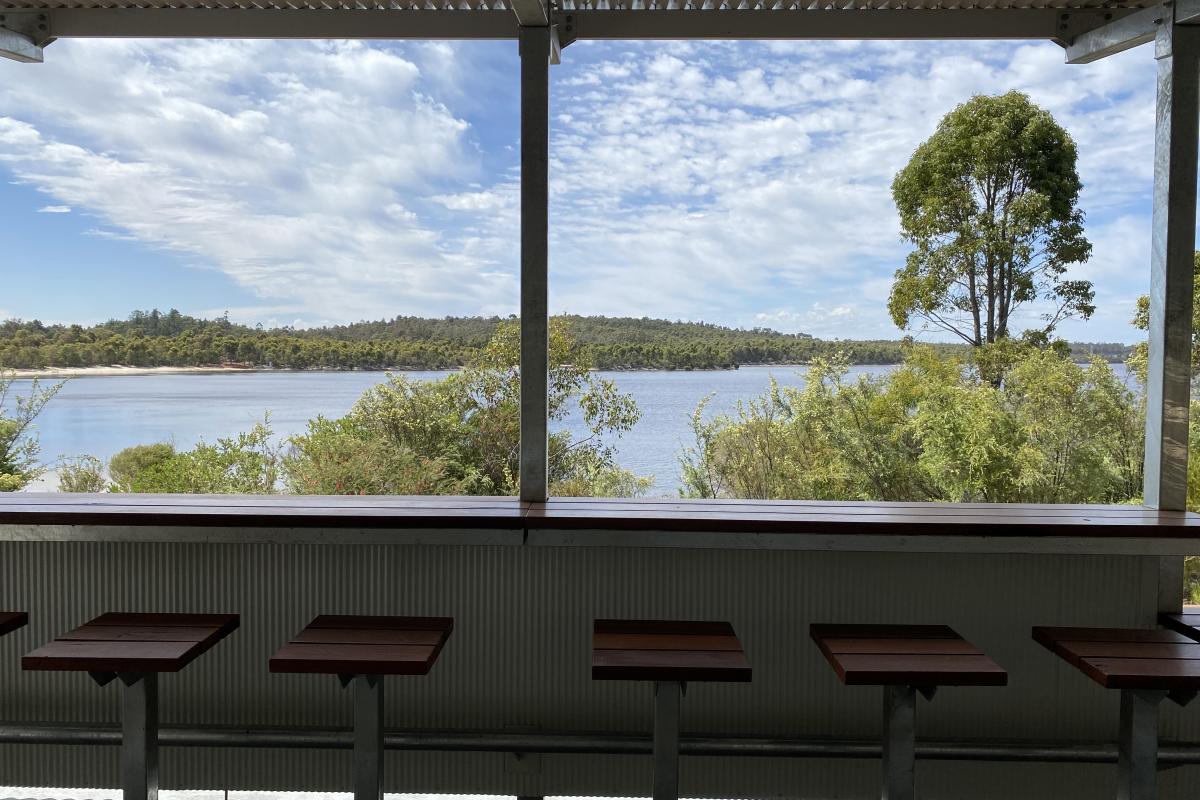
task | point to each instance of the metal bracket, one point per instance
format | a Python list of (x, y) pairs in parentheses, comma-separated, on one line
[(103, 678), (565, 23), (23, 34)]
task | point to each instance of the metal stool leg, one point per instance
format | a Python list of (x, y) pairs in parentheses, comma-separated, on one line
[(368, 737), (1137, 752), (899, 742), (139, 736), (666, 739)]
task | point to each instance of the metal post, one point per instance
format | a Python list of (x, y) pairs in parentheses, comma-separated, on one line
[(139, 736), (368, 737), (666, 739), (899, 742), (1137, 748), (1176, 130), (535, 207), (1168, 382)]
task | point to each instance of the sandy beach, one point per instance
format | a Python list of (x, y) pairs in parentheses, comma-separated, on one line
[(115, 370)]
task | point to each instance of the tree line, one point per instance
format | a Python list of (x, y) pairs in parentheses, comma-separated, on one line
[(171, 339)]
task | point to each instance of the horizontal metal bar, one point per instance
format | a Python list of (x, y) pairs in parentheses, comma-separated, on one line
[(281, 23), (589, 743), (890, 24), (225, 23)]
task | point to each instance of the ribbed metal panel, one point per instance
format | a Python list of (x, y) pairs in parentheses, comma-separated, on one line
[(520, 654), (495, 6)]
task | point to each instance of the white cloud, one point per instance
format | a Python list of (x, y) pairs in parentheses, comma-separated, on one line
[(734, 182), (301, 170), (54, 210)]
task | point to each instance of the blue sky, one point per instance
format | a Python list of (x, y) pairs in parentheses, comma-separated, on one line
[(315, 182)]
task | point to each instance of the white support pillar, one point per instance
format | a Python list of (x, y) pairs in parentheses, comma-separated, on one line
[(535, 206), (1177, 128)]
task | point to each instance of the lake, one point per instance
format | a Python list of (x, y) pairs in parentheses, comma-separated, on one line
[(100, 416)]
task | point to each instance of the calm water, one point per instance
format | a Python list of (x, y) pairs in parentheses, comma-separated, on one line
[(101, 415)]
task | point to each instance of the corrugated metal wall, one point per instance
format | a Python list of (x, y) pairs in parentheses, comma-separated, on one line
[(519, 658)]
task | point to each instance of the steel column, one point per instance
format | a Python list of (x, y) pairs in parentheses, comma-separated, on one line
[(1168, 385), (1137, 746), (535, 46), (899, 742), (666, 739), (368, 737), (1177, 127), (139, 735)]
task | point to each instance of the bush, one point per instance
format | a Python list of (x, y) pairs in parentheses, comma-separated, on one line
[(82, 475)]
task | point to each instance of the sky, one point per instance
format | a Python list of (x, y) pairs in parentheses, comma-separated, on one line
[(309, 183)]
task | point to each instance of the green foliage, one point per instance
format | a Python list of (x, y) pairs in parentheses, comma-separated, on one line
[(343, 456), (126, 466), (19, 448), (82, 475), (935, 429), (989, 201), (244, 464)]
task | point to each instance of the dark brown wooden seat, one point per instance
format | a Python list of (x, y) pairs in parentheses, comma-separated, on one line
[(662, 650), (904, 660), (1127, 658), (1147, 666), (905, 655), (134, 643), (1187, 623), (11, 620), (134, 648), (357, 645), (362, 650)]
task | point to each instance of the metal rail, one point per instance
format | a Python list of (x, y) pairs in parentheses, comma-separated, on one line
[(1171, 754)]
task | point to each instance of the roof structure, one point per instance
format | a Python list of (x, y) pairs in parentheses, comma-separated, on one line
[(41, 21)]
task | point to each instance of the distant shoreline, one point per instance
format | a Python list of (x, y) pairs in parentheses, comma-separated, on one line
[(50, 373), (54, 373)]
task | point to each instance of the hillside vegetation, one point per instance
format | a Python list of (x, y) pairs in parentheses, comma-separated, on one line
[(171, 339)]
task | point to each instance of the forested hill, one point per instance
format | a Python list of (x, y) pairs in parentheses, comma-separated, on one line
[(172, 339)]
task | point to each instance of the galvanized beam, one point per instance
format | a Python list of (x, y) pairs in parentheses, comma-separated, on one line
[(19, 47), (536, 49), (1123, 33), (349, 23), (667, 696), (139, 736), (1137, 745), (531, 13), (23, 35), (888, 24), (280, 23), (899, 742), (1168, 389)]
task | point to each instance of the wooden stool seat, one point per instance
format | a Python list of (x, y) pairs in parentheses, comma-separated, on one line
[(134, 648), (356, 645), (1186, 623), (669, 653), (11, 620), (135, 643), (904, 660), (1121, 658), (661, 650), (362, 650), (1147, 666), (908, 655)]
